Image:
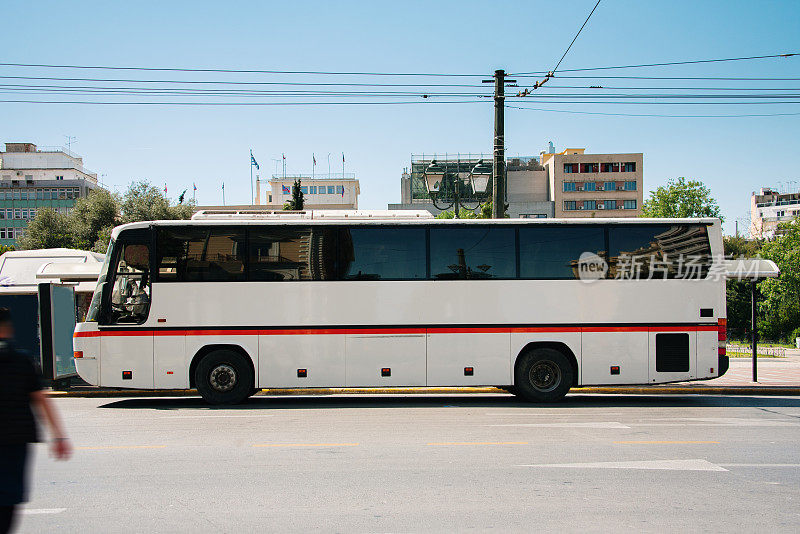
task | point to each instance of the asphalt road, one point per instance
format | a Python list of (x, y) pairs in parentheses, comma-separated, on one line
[(423, 464)]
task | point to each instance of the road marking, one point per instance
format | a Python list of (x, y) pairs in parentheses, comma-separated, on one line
[(480, 443), (663, 442), (120, 447), (596, 424), (663, 465), (212, 416), (720, 421), (39, 511), (305, 445), (760, 465)]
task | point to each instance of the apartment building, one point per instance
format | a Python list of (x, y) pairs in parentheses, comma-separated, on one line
[(768, 208), (32, 178), (595, 185)]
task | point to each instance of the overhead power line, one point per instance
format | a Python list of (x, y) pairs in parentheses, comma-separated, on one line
[(140, 103), (666, 64), (655, 114), (729, 78), (576, 36), (231, 82), (234, 71)]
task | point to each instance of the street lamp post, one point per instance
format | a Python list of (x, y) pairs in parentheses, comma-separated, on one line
[(444, 187)]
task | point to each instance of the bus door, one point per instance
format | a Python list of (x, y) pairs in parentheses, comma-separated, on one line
[(126, 343), (672, 354)]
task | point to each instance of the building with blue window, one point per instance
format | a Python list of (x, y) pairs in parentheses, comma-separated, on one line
[(32, 178), (595, 185)]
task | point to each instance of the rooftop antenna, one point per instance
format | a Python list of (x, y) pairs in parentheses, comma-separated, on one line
[(70, 139)]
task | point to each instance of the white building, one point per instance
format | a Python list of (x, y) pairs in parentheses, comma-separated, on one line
[(32, 178), (318, 193), (768, 208)]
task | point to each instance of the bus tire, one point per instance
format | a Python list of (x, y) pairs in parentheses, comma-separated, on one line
[(224, 377), (543, 375)]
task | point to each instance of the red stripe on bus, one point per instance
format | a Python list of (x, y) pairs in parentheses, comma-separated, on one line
[(393, 331)]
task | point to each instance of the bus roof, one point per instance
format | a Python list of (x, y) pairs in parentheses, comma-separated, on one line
[(358, 219)]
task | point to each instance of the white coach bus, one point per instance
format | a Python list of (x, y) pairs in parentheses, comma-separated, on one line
[(230, 303)]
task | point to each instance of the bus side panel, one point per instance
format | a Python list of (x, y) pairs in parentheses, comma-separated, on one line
[(660, 376), (707, 354), (281, 356), (88, 366), (127, 359), (519, 340), (602, 350), (247, 342), (170, 364), (402, 354), (449, 355)]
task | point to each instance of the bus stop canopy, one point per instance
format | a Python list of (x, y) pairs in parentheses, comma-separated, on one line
[(751, 269)]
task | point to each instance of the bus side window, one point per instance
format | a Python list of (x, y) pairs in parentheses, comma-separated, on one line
[(130, 293)]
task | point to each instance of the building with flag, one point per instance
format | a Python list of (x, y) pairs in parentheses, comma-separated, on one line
[(339, 193)]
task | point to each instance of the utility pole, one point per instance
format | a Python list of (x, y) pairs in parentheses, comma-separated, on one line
[(499, 151)]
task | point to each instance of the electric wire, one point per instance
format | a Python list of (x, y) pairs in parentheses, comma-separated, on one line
[(665, 64), (654, 114), (139, 103), (576, 36), (231, 82), (236, 71)]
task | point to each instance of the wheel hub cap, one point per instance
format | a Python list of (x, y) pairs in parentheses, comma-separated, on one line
[(223, 378), (545, 375)]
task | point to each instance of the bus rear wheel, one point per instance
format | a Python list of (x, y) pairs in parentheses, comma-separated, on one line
[(543, 375), (224, 377)]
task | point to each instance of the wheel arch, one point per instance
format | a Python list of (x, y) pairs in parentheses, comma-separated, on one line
[(207, 349), (561, 347)]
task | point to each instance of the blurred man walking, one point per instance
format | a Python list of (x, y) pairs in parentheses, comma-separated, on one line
[(20, 389)]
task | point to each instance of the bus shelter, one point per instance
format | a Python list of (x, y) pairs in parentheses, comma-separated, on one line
[(754, 270)]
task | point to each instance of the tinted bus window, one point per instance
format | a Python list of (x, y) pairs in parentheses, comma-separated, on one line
[(658, 251), (473, 252), (383, 253), (292, 253), (553, 252), (200, 254)]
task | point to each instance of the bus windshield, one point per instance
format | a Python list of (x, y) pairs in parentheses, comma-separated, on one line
[(94, 307)]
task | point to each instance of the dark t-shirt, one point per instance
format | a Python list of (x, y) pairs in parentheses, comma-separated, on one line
[(18, 379)]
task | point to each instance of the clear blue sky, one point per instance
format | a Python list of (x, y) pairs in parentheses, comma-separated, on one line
[(207, 145)]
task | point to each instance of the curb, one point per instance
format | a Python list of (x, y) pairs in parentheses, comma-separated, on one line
[(642, 390)]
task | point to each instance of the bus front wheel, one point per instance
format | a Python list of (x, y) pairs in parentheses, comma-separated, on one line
[(543, 375), (224, 377)]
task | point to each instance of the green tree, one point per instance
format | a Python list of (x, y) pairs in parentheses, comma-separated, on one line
[(681, 198), (89, 224), (780, 305), (297, 201), (145, 202), (5, 248), (48, 230), (463, 213), (96, 213)]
